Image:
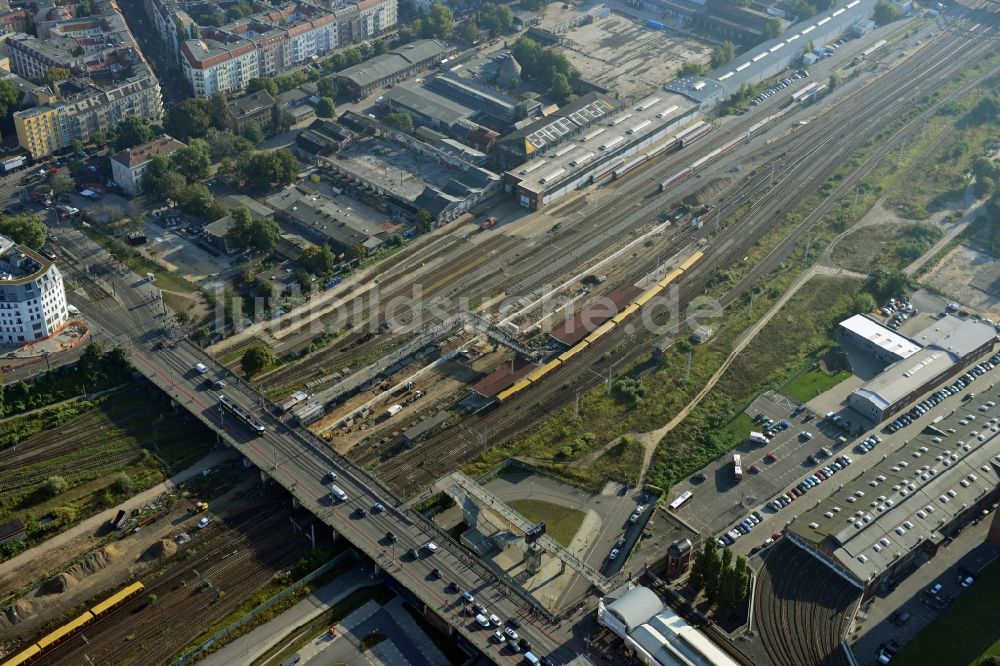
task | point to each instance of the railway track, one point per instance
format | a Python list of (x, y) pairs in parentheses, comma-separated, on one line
[(937, 62), (238, 563)]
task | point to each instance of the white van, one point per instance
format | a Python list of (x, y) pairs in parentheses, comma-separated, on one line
[(200, 368)]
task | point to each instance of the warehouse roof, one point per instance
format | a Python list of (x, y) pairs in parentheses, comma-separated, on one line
[(429, 104), (395, 61), (903, 377), (908, 497), (670, 640), (880, 336), (958, 337)]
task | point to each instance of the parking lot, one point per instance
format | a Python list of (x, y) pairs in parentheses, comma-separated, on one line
[(719, 501)]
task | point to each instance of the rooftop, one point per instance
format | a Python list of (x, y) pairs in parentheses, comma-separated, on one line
[(161, 145), (19, 263), (611, 134), (958, 337), (396, 60), (251, 104), (880, 336), (905, 499), (429, 103)]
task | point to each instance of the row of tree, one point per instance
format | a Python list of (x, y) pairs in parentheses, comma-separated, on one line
[(726, 583), (438, 24)]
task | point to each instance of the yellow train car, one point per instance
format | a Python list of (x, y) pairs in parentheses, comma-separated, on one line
[(23, 657), (600, 332), (511, 391), (117, 599), (625, 314), (671, 277), (573, 351), (691, 261), (65, 631), (648, 295)]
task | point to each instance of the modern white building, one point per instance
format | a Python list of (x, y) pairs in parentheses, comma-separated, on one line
[(32, 297)]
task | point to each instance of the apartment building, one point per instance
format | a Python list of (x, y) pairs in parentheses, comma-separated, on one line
[(32, 296), (268, 43), (129, 166)]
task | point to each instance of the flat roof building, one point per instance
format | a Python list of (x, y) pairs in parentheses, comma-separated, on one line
[(951, 344), (394, 66), (872, 527), (885, 343)]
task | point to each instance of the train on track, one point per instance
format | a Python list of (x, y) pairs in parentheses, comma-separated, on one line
[(75, 626), (539, 373), (241, 414)]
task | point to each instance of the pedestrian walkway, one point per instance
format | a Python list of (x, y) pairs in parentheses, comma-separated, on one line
[(247, 649)]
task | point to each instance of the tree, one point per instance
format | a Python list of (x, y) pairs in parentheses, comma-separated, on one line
[(257, 358), (9, 95), (713, 571), (84, 9), (161, 181), (260, 234), (440, 21), (326, 88), (56, 74), (54, 485), (884, 284), (379, 47), (131, 132), (61, 185), (772, 28), (864, 302), (197, 200), (188, 120), (498, 19), (263, 83), (216, 110), (27, 230), (263, 170), (225, 143), (533, 5), (560, 90), (123, 484), (470, 31), (834, 81), (400, 120), (886, 12), (326, 108), (194, 160), (742, 578), (722, 53), (318, 259), (696, 578), (728, 583), (253, 133)]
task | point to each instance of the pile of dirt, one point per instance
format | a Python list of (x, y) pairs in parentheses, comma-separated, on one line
[(99, 559), (21, 610), (160, 550), (57, 585)]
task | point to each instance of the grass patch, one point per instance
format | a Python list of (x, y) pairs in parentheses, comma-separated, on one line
[(561, 522), (811, 383), (111, 448), (890, 245), (965, 633)]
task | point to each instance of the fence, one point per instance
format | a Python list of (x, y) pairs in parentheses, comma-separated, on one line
[(249, 617)]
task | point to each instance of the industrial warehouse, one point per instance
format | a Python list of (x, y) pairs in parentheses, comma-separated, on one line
[(939, 352), (873, 527)]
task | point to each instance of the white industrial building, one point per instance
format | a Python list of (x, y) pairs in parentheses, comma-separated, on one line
[(934, 355), (32, 298), (657, 635)]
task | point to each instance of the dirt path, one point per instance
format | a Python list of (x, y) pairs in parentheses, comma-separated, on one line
[(54, 554)]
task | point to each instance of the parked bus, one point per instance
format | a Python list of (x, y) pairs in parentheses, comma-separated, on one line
[(681, 500), (737, 467)]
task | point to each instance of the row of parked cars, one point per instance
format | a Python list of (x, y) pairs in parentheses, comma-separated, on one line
[(811, 481), (868, 444), (744, 527), (959, 385), (781, 85)]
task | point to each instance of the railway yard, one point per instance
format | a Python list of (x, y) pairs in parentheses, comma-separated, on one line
[(462, 344)]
